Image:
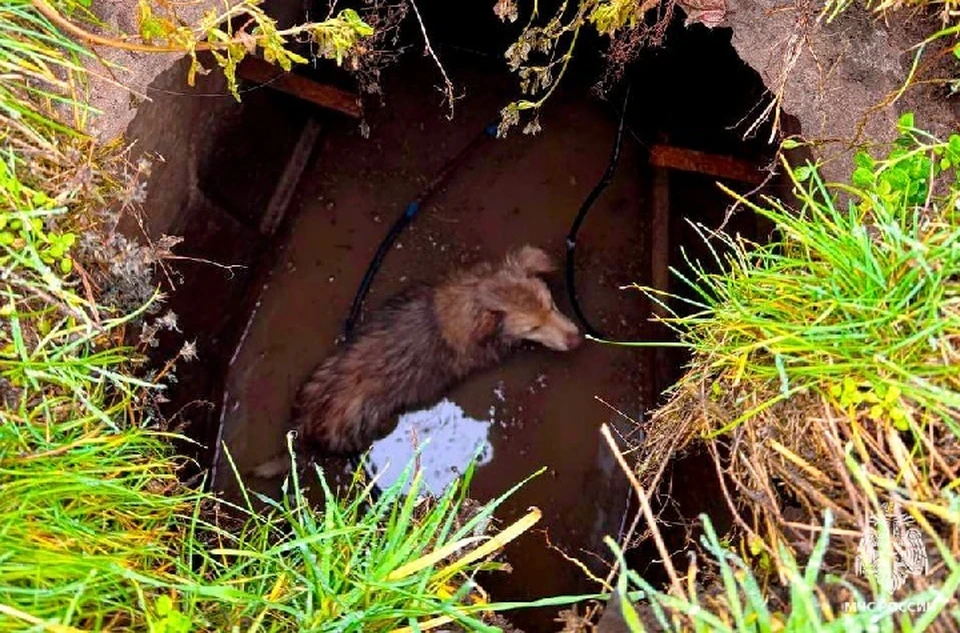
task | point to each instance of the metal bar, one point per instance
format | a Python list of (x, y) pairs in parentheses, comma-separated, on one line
[(724, 167), (258, 71), (292, 172)]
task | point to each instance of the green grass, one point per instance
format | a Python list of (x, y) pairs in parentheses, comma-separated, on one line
[(75, 523), (41, 70), (404, 560), (101, 534), (742, 605), (858, 294)]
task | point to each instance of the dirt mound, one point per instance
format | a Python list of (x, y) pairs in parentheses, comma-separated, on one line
[(843, 79)]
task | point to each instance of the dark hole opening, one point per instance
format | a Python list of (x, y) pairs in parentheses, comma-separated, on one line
[(262, 323)]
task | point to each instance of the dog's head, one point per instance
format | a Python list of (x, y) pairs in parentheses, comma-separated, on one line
[(523, 303)]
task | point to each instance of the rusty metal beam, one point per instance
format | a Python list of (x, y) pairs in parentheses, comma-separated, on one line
[(659, 226), (258, 71), (290, 178), (723, 167), (660, 234)]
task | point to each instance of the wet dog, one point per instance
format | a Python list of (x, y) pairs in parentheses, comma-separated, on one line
[(419, 344)]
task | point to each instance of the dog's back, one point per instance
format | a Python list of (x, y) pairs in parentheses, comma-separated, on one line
[(399, 358)]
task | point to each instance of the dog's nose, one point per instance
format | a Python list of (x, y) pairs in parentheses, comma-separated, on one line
[(574, 339)]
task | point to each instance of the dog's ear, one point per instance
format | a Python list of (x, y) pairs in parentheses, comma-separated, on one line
[(489, 323), (529, 261), (493, 301)]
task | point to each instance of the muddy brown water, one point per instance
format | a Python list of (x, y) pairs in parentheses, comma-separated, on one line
[(539, 408)]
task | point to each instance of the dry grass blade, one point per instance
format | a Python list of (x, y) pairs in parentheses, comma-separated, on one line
[(433, 558), (496, 543), (645, 509)]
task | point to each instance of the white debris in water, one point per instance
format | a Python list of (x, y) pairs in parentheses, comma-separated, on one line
[(539, 384), (500, 392), (448, 439)]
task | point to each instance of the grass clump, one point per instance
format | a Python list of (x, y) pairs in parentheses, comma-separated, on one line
[(403, 562), (43, 73), (84, 481), (857, 296), (733, 599), (79, 521), (828, 351)]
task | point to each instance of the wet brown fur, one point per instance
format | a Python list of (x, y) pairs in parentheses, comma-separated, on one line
[(410, 351)]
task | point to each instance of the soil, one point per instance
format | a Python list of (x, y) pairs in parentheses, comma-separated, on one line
[(840, 78)]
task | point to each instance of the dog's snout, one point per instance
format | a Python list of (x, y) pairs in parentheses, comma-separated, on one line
[(574, 339)]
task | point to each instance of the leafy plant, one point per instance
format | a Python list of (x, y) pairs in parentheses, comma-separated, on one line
[(163, 31), (543, 51), (25, 232), (169, 619), (905, 176)]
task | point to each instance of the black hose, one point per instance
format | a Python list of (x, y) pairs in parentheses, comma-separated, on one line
[(411, 210), (382, 250), (582, 214)]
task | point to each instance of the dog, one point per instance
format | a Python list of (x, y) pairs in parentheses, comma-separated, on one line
[(409, 352)]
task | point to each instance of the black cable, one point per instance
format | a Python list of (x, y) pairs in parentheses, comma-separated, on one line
[(375, 263), (411, 210), (582, 214)]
